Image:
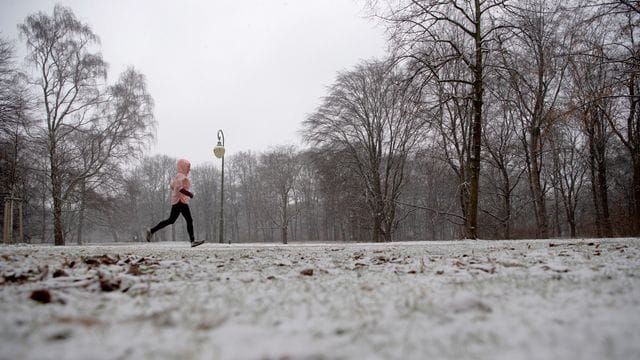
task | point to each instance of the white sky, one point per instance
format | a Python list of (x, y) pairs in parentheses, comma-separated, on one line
[(253, 68)]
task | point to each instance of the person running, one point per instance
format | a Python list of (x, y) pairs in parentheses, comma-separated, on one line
[(180, 196)]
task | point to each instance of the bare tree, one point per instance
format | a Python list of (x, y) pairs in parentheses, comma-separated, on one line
[(86, 126), (592, 93), (624, 50), (535, 64), (117, 135), (205, 180), (430, 198), (344, 209), (504, 162), (244, 166), (432, 33), (567, 146), (309, 198), (376, 119), (68, 76), (451, 128), (14, 119), (279, 170)]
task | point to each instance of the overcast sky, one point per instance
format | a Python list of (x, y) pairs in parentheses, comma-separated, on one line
[(253, 68)]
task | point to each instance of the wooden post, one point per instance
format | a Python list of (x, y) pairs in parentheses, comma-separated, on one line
[(7, 234)]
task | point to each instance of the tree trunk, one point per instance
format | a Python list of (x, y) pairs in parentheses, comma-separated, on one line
[(56, 193), (539, 202), (44, 210), (594, 193), (476, 132), (376, 229), (633, 136), (83, 196), (597, 160), (557, 229), (604, 198), (636, 192), (283, 235), (571, 219), (507, 205), (285, 201)]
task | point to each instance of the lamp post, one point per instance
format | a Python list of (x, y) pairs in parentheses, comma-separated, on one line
[(218, 151)]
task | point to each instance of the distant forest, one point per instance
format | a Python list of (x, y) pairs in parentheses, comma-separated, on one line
[(488, 119)]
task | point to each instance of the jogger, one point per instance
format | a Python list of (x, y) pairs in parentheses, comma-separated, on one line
[(180, 196)]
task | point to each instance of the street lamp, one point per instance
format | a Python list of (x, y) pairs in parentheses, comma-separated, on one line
[(218, 151)]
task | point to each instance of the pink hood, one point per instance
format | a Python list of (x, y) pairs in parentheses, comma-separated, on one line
[(180, 182), (184, 166)]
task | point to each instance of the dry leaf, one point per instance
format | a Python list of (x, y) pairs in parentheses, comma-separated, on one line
[(42, 296), (134, 270), (59, 273)]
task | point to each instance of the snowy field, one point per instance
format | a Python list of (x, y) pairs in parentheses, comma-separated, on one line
[(528, 299)]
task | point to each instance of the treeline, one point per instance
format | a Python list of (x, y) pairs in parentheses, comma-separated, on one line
[(509, 119), (488, 119)]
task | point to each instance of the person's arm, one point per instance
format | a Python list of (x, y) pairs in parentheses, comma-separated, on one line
[(186, 192)]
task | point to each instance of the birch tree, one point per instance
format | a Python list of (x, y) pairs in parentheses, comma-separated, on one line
[(68, 72), (86, 124)]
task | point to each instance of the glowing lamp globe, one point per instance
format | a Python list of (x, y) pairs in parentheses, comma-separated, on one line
[(218, 151)]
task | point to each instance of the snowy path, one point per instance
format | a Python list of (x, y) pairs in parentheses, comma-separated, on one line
[(537, 299)]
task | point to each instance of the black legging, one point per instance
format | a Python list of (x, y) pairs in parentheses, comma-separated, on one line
[(176, 210)]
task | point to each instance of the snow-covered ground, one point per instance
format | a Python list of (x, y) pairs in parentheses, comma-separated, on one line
[(535, 299)]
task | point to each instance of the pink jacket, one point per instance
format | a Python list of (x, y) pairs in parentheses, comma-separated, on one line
[(180, 182)]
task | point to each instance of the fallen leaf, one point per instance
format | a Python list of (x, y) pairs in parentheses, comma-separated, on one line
[(307, 272), (380, 260), (100, 260), (59, 273), (42, 296), (61, 335), (134, 270), (15, 278), (69, 264), (108, 284)]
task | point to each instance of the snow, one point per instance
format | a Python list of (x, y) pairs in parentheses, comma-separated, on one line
[(485, 299)]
